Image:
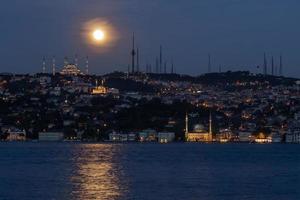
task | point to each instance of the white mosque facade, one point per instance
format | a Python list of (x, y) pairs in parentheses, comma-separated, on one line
[(198, 134), (69, 69)]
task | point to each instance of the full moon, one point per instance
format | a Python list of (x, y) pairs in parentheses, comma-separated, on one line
[(98, 35)]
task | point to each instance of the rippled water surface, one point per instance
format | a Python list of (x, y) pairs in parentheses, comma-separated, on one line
[(149, 171)]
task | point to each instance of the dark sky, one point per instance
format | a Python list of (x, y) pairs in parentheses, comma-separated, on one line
[(235, 32)]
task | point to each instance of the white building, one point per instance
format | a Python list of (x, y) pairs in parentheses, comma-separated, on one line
[(245, 136), (131, 137), (148, 135), (292, 136), (165, 137), (224, 135), (51, 136), (16, 135), (276, 137), (293, 133), (118, 137)]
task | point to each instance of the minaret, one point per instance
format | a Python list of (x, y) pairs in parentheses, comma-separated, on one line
[(160, 59), (209, 64), (272, 63), (137, 60), (76, 60), (280, 65), (172, 67), (53, 66), (165, 67), (210, 127), (44, 65), (265, 65), (133, 55), (186, 126), (87, 65), (66, 61)]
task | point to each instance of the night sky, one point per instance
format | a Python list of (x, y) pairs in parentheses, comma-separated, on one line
[(235, 32)]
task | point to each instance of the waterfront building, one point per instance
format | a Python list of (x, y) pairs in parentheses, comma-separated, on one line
[(131, 137), (245, 136), (262, 138), (123, 137), (199, 134), (15, 134), (224, 135), (293, 133), (165, 137), (117, 137), (148, 135), (51, 136), (292, 136), (143, 136), (276, 137)]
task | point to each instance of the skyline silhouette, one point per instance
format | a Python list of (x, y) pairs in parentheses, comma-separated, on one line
[(236, 34)]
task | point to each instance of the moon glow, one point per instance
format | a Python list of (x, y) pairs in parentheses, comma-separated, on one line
[(98, 35)]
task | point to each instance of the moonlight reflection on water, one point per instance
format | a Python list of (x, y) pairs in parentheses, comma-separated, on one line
[(97, 175), (136, 171)]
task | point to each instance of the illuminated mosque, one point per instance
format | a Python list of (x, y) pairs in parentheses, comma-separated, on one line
[(69, 69), (199, 134), (99, 90), (72, 69)]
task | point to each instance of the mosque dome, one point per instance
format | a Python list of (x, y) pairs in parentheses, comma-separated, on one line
[(70, 69), (199, 128)]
